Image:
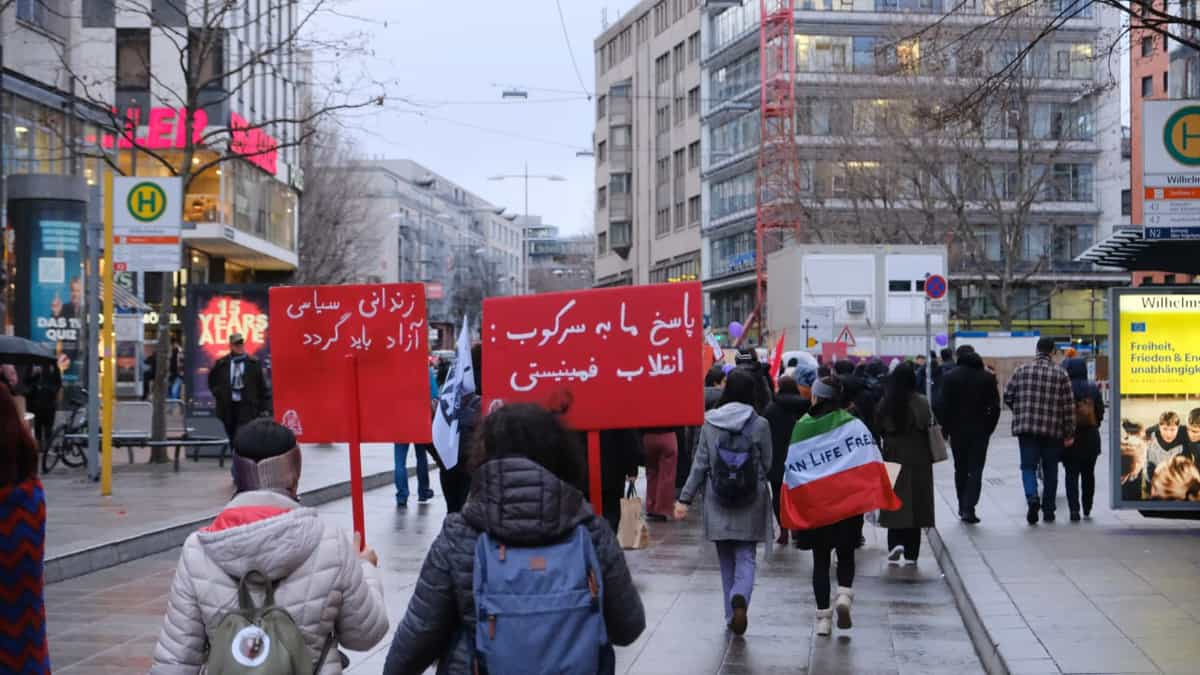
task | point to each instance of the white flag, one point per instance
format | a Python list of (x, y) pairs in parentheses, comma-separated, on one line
[(459, 383)]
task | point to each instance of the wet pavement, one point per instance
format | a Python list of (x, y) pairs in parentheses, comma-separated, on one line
[(150, 497), (906, 622), (1114, 594)]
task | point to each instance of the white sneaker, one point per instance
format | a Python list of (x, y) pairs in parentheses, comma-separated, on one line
[(908, 563), (824, 622), (895, 555), (845, 598)]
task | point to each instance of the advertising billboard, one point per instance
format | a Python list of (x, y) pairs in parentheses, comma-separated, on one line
[(1155, 418), (214, 312), (56, 291)]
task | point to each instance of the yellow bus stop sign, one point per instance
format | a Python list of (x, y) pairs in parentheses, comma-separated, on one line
[(146, 201)]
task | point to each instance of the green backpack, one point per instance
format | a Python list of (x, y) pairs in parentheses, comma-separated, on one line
[(262, 640)]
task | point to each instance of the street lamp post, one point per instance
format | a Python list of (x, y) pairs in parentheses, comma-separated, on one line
[(526, 176)]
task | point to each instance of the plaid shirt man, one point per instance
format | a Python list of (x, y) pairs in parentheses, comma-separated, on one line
[(1041, 399)]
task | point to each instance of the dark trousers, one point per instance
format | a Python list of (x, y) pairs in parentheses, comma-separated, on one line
[(970, 456), (456, 485), (1080, 472), (610, 504), (1044, 452), (821, 563), (235, 412), (775, 486), (43, 427), (907, 537)]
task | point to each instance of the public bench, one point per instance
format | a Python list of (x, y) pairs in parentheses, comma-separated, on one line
[(132, 422)]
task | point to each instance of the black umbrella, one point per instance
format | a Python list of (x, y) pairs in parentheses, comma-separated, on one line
[(20, 351)]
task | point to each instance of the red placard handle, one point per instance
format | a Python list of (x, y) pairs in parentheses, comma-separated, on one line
[(594, 471), (356, 482)]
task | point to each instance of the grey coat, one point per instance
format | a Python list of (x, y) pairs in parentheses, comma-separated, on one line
[(909, 447), (722, 523), (520, 503)]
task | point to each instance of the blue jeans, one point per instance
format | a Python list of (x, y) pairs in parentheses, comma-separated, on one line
[(401, 473), (737, 571), (1044, 451), (175, 387)]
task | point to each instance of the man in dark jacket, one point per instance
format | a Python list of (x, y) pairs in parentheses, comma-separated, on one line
[(747, 359), (782, 414), (969, 414), (43, 386), (239, 387)]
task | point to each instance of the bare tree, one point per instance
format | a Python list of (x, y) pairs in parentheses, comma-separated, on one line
[(205, 73), (982, 181), (334, 240)]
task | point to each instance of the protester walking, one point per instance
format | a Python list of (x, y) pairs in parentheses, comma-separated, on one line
[(747, 361), (175, 370), (43, 385), (662, 456), (782, 414), (266, 549), (904, 420), (714, 382), (400, 458), (731, 465), (527, 508), (23, 647), (834, 475), (1079, 460), (1043, 405), (456, 481), (239, 387), (969, 413)]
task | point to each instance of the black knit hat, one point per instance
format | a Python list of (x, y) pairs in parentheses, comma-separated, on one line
[(263, 438), (746, 355)]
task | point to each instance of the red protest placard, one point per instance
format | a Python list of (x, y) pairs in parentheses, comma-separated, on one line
[(315, 330), (626, 357)]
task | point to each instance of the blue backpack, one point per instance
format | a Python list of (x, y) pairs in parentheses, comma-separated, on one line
[(540, 609)]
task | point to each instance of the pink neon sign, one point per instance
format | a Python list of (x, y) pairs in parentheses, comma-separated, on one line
[(165, 130)]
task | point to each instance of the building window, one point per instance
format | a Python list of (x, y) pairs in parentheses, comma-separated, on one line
[(642, 28), (601, 197), (49, 15), (601, 151), (693, 47), (662, 222), (1126, 202), (168, 13), (693, 102), (602, 243), (1147, 86), (680, 216), (133, 58), (662, 69), (620, 183), (662, 119), (620, 136), (1166, 74), (206, 53), (679, 171), (679, 110), (693, 153), (601, 106), (99, 14), (667, 272), (677, 55), (693, 210), (662, 171), (1147, 46)]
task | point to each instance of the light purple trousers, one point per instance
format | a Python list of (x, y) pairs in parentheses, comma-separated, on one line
[(737, 571)]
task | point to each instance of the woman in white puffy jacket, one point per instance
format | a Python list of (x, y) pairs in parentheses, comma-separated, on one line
[(321, 578)]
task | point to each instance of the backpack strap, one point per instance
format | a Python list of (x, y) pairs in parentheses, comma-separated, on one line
[(329, 639)]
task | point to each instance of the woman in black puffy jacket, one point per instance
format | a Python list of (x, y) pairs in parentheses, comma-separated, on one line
[(526, 493)]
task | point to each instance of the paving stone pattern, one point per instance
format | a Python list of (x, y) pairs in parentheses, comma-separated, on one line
[(906, 621), (1114, 594)]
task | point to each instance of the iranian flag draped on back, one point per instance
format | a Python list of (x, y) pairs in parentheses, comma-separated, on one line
[(834, 471)]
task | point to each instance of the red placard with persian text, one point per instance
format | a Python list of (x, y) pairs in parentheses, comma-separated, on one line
[(316, 334), (625, 357)]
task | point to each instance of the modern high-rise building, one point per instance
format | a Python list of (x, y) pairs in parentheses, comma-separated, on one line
[(863, 69), (647, 145)]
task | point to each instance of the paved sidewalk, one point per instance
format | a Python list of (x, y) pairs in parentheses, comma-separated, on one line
[(1115, 594), (149, 500), (906, 621)]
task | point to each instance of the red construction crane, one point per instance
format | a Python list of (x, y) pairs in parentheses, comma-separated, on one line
[(778, 174)]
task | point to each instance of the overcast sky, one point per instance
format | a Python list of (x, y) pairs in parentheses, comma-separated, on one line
[(452, 60)]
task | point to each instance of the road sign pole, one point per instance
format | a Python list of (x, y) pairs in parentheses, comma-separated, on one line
[(928, 361), (108, 383)]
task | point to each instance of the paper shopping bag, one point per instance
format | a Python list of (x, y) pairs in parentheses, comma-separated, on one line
[(632, 532)]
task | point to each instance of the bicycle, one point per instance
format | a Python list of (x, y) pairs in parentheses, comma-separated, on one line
[(71, 453)]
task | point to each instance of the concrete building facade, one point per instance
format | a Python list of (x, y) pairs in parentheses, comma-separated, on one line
[(849, 64), (556, 262), (647, 145)]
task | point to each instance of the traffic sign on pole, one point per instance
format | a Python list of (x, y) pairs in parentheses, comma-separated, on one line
[(147, 216), (935, 287)]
